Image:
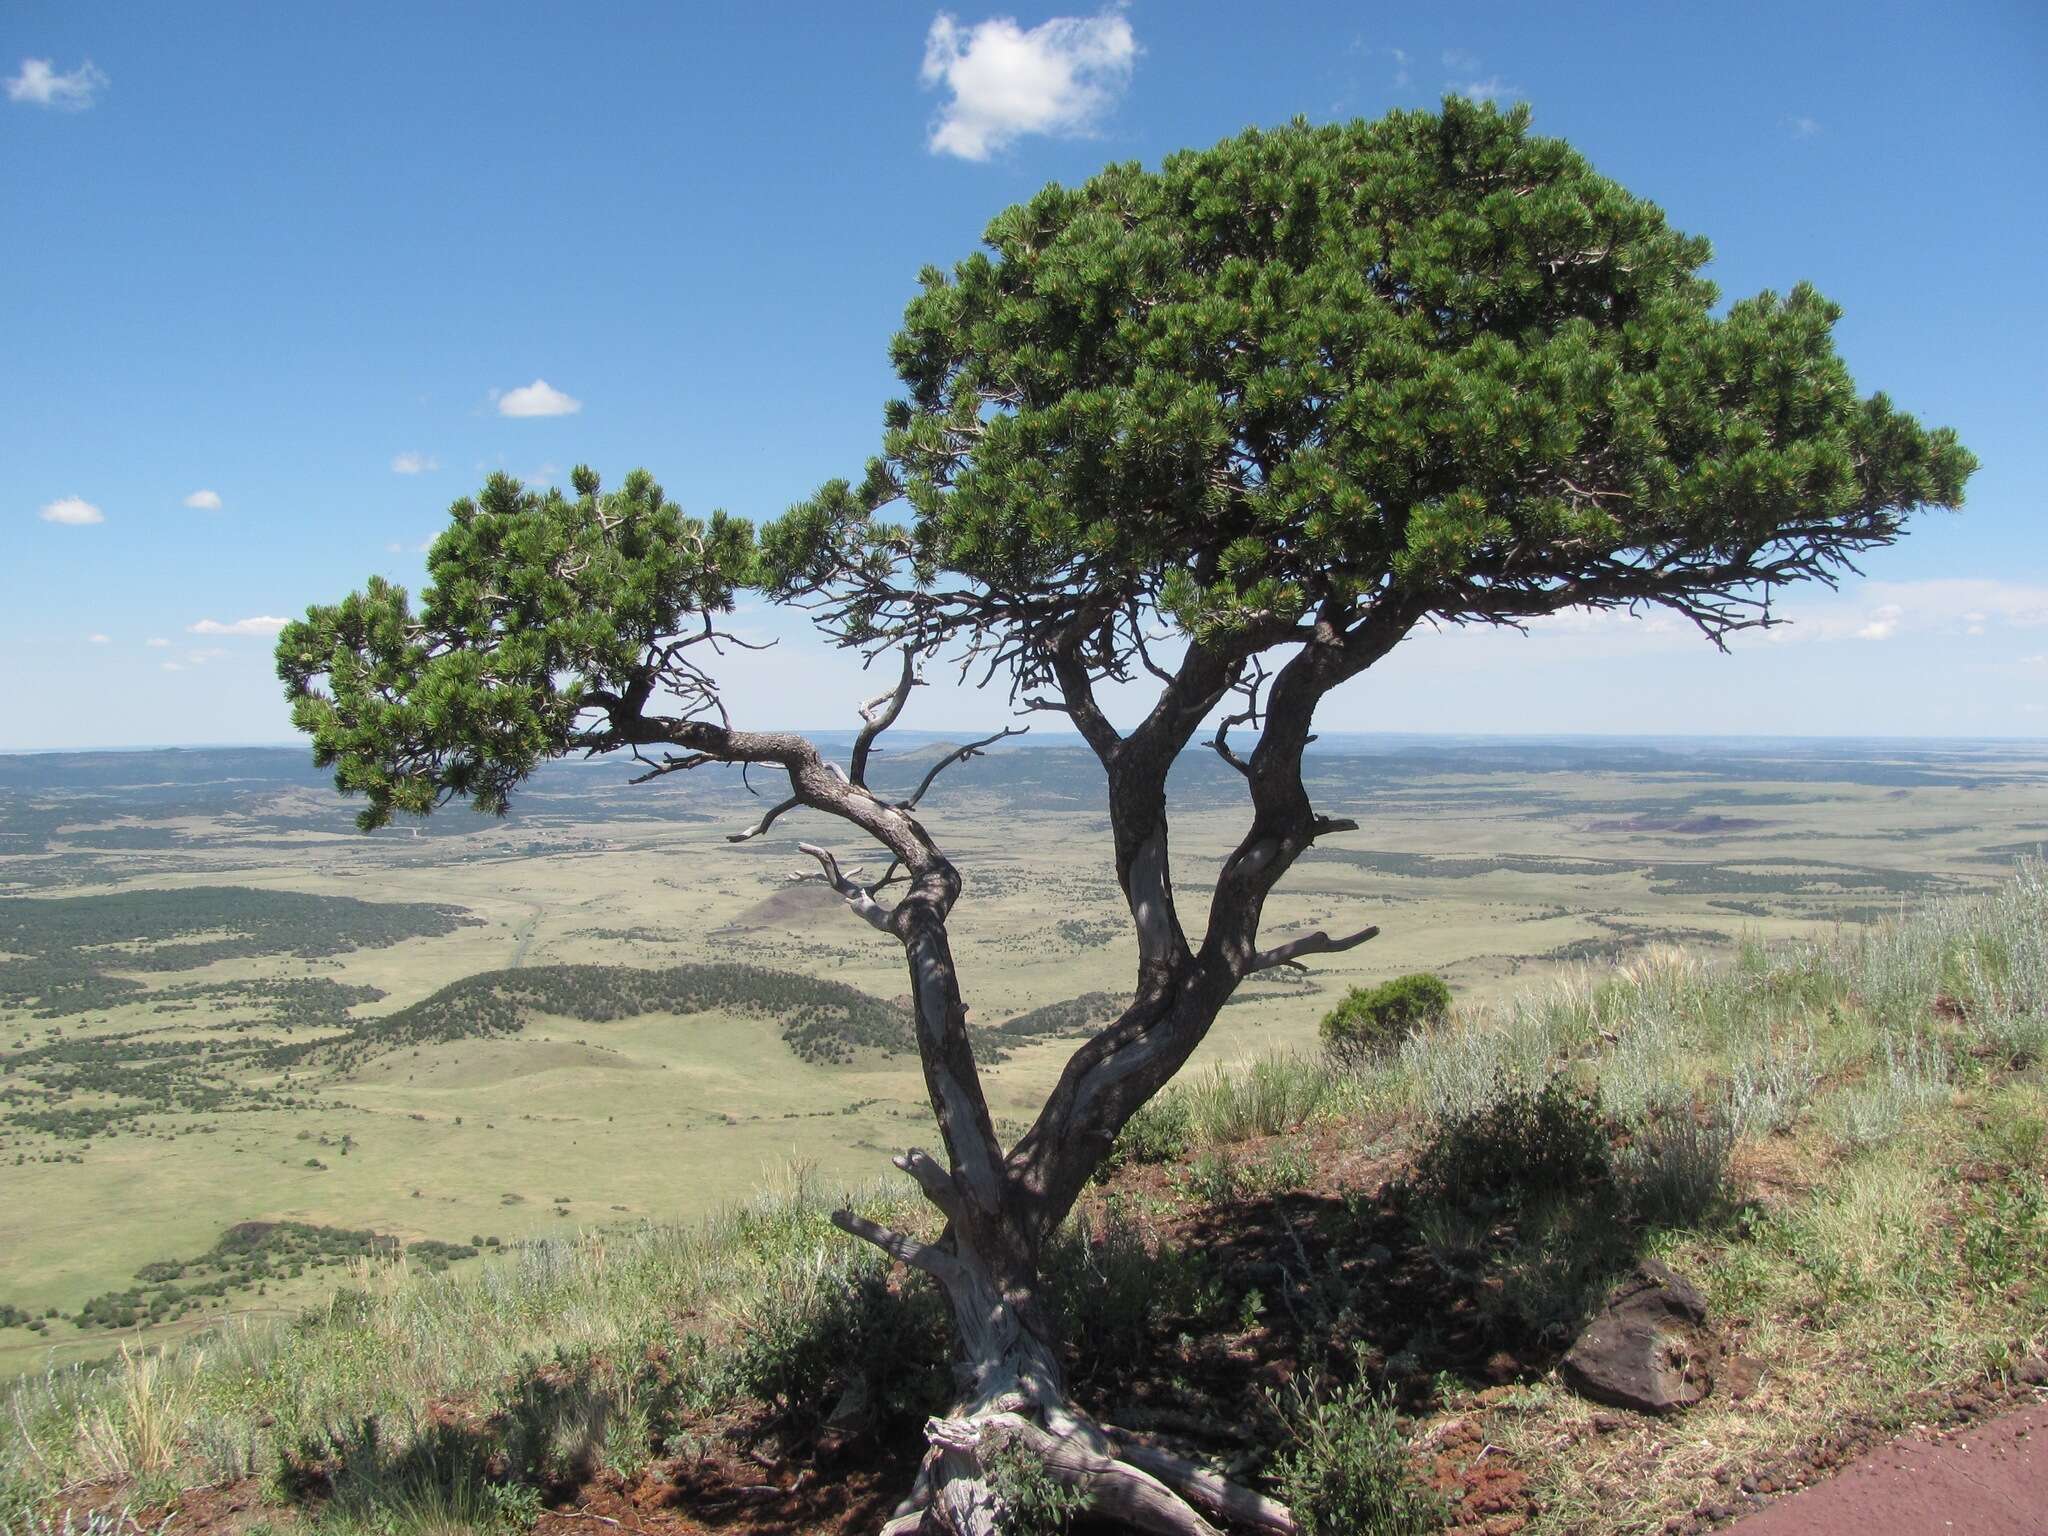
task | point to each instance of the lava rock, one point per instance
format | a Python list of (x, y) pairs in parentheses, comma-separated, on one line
[(1647, 1348)]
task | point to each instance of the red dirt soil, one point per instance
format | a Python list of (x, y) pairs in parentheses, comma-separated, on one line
[(1990, 1479)]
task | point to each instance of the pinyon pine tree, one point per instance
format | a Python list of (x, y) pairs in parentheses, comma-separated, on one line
[(1229, 431)]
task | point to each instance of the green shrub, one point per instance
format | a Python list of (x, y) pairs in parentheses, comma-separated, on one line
[(1033, 1502), (1372, 1021), (1160, 1132), (1523, 1149), (831, 1322), (1346, 1470), (1119, 1299)]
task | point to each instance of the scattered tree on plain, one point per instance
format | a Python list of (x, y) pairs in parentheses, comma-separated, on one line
[(1228, 431)]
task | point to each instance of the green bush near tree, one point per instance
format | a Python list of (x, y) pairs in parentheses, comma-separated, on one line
[(1372, 1021)]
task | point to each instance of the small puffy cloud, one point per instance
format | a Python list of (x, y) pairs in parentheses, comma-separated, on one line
[(422, 463), (99, 639), (1803, 127), (1489, 89), (1884, 623), (204, 501), (1466, 64), (1058, 77), (157, 643), (172, 666), (72, 511), (536, 399), (1400, 65), (39, 84), (261, 624)]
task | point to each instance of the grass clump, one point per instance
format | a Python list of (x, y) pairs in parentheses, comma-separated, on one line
[(1371, 1022), (1265, 1097)]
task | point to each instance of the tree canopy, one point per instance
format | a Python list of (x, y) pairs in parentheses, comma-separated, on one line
[(1429, 367), (1432, 361)]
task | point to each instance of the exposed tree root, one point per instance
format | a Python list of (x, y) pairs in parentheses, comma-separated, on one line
[(1139, 1487)]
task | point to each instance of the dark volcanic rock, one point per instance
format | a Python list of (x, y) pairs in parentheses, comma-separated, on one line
[(1647, 1348)]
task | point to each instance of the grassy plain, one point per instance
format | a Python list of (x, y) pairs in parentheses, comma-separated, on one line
[(1844, 1143), (1495, 864)]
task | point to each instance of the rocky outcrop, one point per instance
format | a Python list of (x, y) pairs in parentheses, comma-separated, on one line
[(1647, 1348)]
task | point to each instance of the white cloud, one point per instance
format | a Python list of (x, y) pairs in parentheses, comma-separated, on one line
[(1400, 65), (422, 463), (40, 85), (1058, 77), (1878, 610), (536, 399), (1459, 59), (204, 501), (201, 657), (1803, 127), (72, 511), (157, 643), (172, 666), (1489, 89), (261, 624), (99, 639)]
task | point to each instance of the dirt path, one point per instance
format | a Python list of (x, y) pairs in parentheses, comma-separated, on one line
[(1990, 1479)]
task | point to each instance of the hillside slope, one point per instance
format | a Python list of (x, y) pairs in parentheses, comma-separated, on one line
[(1354, 1287)]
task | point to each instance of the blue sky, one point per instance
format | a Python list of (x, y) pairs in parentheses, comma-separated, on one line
[(328, 265)]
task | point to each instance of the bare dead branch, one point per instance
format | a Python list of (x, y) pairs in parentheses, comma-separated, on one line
[(934, 1180), (958, 755), (1211, 1494), (674, 765), (936, 1262), (878, 714), (855, 894), (1317, 943), (768, 819)]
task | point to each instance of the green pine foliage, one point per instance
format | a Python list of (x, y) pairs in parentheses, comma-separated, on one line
[(538, 601), (1432, 359), (1428, 367)]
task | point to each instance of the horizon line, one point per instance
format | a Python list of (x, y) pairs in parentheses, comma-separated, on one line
[(1037, 737)]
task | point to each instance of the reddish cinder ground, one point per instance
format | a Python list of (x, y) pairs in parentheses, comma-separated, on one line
[(1989, 1479)]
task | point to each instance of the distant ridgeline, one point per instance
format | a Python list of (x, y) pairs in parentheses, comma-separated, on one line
[(821, 1021)]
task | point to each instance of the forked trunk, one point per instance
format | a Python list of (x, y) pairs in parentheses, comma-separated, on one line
[(1013, 1417)]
